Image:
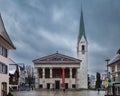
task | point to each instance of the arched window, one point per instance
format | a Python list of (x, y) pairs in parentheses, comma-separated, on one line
[(83, 49)]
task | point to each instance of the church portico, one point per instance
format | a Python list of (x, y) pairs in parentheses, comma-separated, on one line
[(47, 77), (56, 74)]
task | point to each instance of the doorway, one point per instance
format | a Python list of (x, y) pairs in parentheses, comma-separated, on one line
[(48, 85), (57, 84), (66, 85), (4, 89)]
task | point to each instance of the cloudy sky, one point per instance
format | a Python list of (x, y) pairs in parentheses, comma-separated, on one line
[(42, 27)]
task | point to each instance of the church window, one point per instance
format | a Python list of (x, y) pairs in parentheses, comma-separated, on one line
[(47, 73), (40, 73), (67, 71), (83, 49), (74, 73)]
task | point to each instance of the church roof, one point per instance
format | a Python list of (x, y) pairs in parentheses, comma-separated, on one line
[(82, 28), (4, 35), (56, 58)]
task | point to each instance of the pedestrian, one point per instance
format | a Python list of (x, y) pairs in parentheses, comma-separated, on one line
[(98, 90), (113, 90)]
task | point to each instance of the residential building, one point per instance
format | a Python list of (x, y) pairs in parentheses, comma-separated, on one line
[(22, 73), (92, 81), (5, 45), (16, 75), (114, 65)]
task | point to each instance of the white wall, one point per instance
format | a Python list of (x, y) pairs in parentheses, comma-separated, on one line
[(82, 74), (4, 77)]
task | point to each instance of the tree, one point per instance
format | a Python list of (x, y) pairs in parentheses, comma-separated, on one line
[(98, 81), (30, 75)]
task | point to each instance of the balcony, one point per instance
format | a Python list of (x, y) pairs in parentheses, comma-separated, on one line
[(117, 79)]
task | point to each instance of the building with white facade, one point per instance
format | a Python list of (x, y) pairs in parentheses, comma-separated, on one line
[(60, 71), (114, 76), (5, 45), (55, 70)]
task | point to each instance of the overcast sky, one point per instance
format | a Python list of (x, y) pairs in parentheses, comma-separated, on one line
[(42, 27)]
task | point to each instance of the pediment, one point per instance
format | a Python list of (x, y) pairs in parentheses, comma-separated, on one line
[(56, 57)]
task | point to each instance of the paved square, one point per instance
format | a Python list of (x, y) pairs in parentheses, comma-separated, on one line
[(59, 93)]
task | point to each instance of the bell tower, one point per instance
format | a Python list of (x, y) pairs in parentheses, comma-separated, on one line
[(82, 54)]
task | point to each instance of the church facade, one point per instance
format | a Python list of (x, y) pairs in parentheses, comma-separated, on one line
[(58, 71)]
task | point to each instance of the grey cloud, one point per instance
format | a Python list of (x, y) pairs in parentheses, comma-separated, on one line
[(25, 20)]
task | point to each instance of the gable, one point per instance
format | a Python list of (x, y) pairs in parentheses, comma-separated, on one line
[(55, 58), (4, 35)]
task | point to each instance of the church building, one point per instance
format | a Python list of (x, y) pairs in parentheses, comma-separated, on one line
[(58, 71)]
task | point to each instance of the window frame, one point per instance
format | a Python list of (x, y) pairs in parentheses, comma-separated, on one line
[(118, 67), (3, 51), (4, 68)]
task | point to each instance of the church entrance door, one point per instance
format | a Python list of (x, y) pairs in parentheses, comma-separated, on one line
[(57, 84)]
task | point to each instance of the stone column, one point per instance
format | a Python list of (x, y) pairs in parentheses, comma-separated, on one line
[(70, 82), (51, 85), (36, 78), (50, 72), (43, 77), (63, 78)]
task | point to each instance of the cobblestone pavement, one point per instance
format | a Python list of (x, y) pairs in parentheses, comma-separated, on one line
[(59, 93)]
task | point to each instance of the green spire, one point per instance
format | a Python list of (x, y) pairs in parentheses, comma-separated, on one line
[(82, 28)]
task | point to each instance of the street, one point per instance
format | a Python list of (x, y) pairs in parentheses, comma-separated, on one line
[(58, 93)]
